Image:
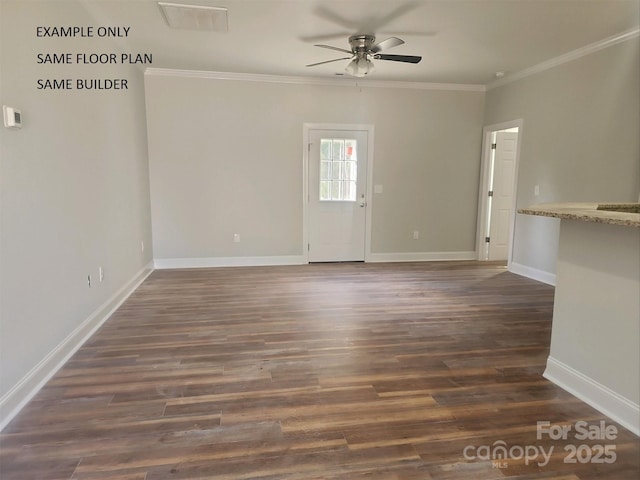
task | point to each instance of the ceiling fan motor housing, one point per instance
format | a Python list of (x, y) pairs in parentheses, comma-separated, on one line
[(361, 43), (364, 50)]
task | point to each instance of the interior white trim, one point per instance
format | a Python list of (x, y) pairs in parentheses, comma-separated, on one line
[(567, 57), (603, 399), (334, 82), (421, 256), (306, 128), (212, 262), (487, 131), (15, 399), (533, 273)]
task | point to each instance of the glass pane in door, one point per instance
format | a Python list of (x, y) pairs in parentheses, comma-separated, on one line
[(338, 169)]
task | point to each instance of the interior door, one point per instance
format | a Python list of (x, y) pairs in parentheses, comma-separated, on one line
[(337, 195), (504, 169)]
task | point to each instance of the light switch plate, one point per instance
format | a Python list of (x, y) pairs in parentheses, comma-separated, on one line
[(12, 117)]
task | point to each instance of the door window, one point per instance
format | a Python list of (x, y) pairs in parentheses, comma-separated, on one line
[(338, 169)]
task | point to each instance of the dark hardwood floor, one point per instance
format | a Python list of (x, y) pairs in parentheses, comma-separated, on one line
[(328, 371)]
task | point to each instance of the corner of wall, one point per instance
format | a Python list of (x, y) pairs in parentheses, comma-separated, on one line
[(533, 273), (606, 401), (15, 399)]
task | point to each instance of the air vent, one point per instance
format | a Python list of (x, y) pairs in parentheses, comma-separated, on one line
[(195, 17)]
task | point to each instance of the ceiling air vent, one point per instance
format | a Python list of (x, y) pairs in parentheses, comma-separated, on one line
[(195, 17)]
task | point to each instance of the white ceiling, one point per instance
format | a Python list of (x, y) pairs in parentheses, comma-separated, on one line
[(461, 41)]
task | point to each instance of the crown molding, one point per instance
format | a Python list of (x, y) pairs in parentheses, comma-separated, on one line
[(367, 83), (567, 57), (337, 82)]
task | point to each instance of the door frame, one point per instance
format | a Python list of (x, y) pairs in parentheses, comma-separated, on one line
[(487, 132), (306, 128)]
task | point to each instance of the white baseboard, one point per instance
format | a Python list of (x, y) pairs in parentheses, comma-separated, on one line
[(421, 256), (15, 399), (603, 399), (208, 262), (533, 273)]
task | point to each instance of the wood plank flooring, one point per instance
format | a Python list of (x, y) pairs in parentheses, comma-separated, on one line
[(326, 371)]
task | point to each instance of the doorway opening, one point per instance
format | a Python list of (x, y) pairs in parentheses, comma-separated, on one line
[(497, 191), (337, 175)]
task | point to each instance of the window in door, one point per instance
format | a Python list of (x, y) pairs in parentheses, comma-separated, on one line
[(338, 169)]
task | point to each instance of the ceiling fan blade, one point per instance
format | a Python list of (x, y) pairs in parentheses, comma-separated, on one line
[(325, 37), (398, 58), (343, 50), (387, 44), (329, 61), (324, 12), (369, 25), (409, 33), (375, 24)]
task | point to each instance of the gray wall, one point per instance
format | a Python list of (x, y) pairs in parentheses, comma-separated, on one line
[(226, 157), (580, 140), (595, 320), (74, 192)]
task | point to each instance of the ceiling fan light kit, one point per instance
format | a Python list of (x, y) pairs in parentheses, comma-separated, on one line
[(360, 67), (364, 50)]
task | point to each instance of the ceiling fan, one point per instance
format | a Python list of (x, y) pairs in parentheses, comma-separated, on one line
[(364, 50)]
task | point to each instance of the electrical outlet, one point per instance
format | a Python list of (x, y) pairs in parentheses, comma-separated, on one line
[(236, 238), (89, 280), (101, 273), (536, 190), (142, 245), (416, 234)]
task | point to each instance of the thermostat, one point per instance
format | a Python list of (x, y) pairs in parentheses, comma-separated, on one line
[(12, 117)]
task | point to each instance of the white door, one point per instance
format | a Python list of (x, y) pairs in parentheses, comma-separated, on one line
[(502, 186), (337, 195)]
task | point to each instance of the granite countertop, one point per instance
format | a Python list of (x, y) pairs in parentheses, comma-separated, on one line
[(627, 214)]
